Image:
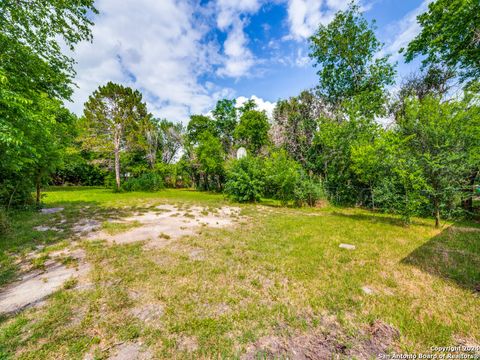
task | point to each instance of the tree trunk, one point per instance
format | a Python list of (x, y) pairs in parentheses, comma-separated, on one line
[(437, 214), (38, 190), (117, 159)]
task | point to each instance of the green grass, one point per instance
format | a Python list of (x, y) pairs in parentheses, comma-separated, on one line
[(113, 228), (280, 272)]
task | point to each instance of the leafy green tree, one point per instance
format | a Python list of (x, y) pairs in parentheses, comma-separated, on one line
[(252, 130), (345, 50), (449, 35), (40, 24), (332, 152), (247, 106), (209, 154), (113, 116), (225, 115), (393, 176), (34, 75), (198, 125), (444, 138)]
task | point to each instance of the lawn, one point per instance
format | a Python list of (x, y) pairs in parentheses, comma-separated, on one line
[(276, 279)]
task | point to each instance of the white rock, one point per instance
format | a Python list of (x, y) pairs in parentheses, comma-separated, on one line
[(51, 210), (347, 246), (367, 290)]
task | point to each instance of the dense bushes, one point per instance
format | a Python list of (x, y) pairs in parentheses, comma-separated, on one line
[(277, 177), (148, 181), (245, 180), (307, 192), (4, 222)]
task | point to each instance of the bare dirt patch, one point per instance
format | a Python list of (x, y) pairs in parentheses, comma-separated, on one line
[(148, 313), (129, 351), (330, 343), (36, 285), (168, 222)]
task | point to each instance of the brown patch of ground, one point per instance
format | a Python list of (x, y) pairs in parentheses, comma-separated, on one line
[(129, 351), (329, 343)]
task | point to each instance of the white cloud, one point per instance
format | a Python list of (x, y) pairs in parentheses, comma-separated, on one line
[(304, 16), (238, 57), (405, 30), (157, 47), (262, 105)]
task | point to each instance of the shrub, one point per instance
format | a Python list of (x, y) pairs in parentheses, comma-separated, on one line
[(4, 222), (245, 180), (149, 181), (282, 176), (307, 192)]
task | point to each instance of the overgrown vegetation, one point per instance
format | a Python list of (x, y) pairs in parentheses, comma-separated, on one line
[(325, 142)]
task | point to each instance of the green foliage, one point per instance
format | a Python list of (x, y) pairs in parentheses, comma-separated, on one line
[(449, 35), (252, 130), (41, 24), (345, 50), (307, 191), (394, 180), (282, 174), (225, 115), (198, 125), (209, 154), (332, 149), (444, 139), (149, 181), (112, 121), (245, 180), (4, 222), (79, 168)]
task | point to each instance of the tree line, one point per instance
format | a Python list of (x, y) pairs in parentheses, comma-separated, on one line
[(326, 141)]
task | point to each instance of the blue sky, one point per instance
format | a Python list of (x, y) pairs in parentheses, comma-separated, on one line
[(184, 55)]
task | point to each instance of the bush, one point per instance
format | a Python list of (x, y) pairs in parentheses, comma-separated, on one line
[(149, 181), (245, 180), (282, 176), (308, 192), (4, 222)]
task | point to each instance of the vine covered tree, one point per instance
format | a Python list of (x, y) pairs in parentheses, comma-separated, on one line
[(112, 121)]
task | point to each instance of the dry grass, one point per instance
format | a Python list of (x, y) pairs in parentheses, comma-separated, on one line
[(280, 275)]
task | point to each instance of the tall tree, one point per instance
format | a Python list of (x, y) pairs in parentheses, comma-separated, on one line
[(295, 124), (252, 130), (345, 51), (113, 116), (450, 35), (444, 138), (225, 115), (197, 125), (34, 75)]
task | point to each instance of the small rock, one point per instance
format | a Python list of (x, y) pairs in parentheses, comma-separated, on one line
[(347, 246), (367, 290), (51, 210)]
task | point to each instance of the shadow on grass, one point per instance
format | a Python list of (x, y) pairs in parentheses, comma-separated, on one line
[(453, 255), (376, 218)]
